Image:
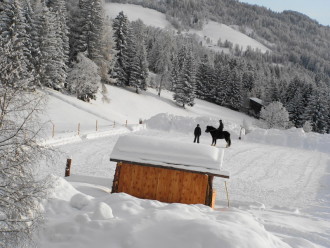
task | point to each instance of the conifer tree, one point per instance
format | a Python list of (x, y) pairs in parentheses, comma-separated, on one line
[(317, 111), (234, 97), (13, 41), (185, 91), (120, 27)]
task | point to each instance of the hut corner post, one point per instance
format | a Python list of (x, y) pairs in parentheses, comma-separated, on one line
[(116, 178), (210, 193)]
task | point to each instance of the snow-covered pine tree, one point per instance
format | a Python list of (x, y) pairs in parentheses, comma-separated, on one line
[(234, 97), (84, 78), (275, 115), (185, 91), (137, 69), (120, 27), (86, 29), (317, 111), (13, 29), (174, 78), (96, 31), (58, 7), (202, 79), (222, 87), (52, 64)]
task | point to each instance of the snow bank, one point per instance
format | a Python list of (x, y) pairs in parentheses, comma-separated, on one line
[(294, 137), (183, 124), (120, 220)]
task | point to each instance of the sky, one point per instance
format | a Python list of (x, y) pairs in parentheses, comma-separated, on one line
[(316, 9)]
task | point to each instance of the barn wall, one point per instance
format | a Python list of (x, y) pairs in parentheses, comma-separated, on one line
[(161, 184)]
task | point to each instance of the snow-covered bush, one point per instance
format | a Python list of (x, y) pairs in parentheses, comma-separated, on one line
[(83, 79), (307, 127), (274, 115)]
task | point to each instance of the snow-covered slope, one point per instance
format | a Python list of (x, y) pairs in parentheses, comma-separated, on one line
[(212, 30), (279, 188), (66, 112), (149, 17)]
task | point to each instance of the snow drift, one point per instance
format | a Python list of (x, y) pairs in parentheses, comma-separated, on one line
[(120, 220)]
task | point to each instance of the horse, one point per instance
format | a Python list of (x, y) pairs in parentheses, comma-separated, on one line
[(216, 134)]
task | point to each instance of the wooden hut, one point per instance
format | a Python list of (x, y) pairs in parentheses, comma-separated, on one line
[(255, 106), (168, 171)]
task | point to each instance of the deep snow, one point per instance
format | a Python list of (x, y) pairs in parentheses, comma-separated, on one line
[(279, 186)]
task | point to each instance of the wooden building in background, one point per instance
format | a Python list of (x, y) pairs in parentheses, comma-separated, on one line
[(167, 171)]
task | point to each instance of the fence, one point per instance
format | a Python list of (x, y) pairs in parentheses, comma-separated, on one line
[(97, 126)]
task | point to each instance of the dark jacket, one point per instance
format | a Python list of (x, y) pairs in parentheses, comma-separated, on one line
[(220, 127), (197, 131)]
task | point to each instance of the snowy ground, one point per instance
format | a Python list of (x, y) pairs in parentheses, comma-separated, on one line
[(279, 187)]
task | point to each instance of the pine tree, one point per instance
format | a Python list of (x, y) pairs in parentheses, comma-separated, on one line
[(174, 73), (234, 97), (51, 60), (317, 111), (16, 70), (203, 79), (120, 27), (185, 91), (222, 88)]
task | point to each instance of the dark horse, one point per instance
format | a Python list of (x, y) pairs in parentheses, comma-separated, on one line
[(216, 134)]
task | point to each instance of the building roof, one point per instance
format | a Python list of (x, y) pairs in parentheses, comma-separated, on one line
[(257, 100), (156, 152)]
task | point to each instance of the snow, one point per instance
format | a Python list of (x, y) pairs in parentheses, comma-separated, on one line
[(215, 31), (133, 12), (279, 188), (212, 30), (168, 153)]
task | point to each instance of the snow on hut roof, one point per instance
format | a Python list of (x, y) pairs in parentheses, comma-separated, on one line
[(256, 100), (169, 154)]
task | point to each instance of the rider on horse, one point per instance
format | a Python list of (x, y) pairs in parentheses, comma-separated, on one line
[(220, 128)]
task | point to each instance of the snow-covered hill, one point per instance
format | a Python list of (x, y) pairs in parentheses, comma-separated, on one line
[(212, 31), (279, 189)]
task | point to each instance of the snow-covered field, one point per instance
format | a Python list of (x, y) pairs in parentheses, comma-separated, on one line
[(211, 30), (279, 187)]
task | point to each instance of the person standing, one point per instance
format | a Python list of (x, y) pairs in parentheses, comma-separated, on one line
[(197, 133), (220, 126)]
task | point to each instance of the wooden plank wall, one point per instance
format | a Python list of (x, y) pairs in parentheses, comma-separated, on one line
[(161, 184)]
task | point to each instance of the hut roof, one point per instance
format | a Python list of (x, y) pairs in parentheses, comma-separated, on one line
[(257, 100), (164, 153)]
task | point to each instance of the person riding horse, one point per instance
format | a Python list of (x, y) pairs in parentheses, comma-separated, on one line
[(220, 128)]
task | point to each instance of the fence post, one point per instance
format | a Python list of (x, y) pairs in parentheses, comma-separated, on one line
[(78, 128), (68, 167), (53, 131), (126, 123), (96, 127)]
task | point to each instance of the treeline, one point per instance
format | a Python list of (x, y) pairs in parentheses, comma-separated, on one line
[(292, 36)]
